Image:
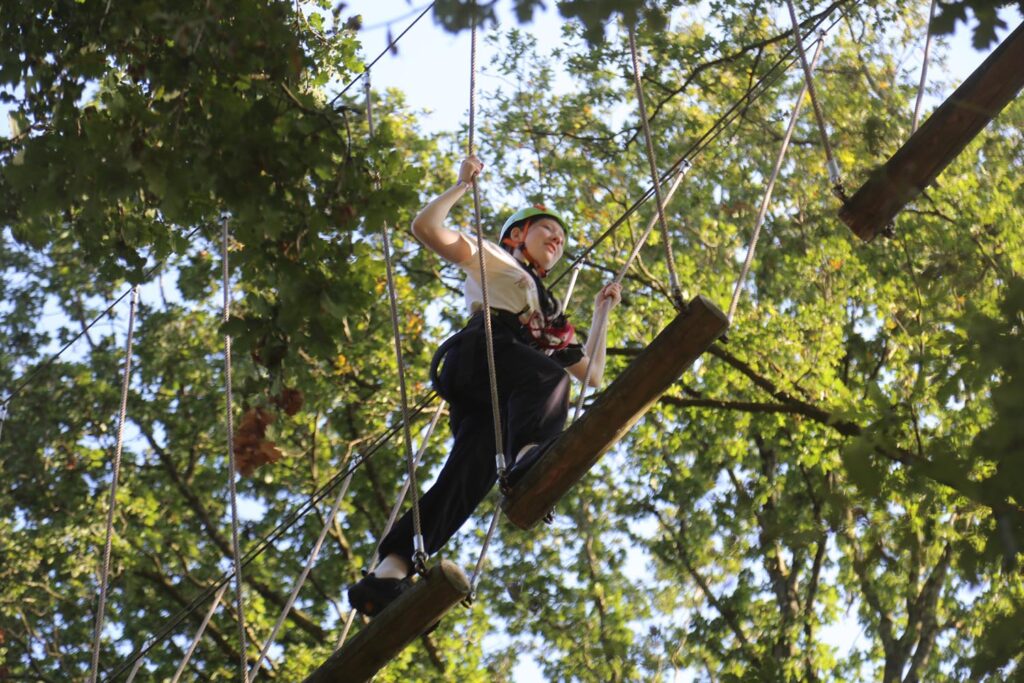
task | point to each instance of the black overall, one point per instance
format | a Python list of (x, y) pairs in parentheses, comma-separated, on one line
[(533, 396)]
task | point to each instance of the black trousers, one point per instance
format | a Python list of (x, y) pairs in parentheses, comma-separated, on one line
[(533, 396)]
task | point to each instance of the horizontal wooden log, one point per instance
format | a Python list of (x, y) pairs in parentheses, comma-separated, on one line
[(939, 140), (614, 412), (387, 634)]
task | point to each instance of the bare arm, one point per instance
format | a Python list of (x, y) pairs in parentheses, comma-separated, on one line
[(429, 227), (606, 300)]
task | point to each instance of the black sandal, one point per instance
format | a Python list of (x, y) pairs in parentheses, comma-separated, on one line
[(372, 594)]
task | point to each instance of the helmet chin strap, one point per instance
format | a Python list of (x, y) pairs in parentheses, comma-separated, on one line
[(520, 246)]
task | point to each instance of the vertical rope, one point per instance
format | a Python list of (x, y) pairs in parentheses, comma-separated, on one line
[(232, 468), (488, 330), (112, 504), (767, 198), (199, 633), (924, 70), (677, 292), (492, 372), (834, 174), (420, 553), (3, 417)]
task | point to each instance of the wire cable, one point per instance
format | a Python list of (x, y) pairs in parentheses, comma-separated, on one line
[(232, 465), (266, 542), (115, 475), (677, 292), (834, 174), (924, 70), (767, 198)]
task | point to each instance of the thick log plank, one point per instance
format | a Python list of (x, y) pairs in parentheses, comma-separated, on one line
[(392, 630), (614, 412), (936, 143)]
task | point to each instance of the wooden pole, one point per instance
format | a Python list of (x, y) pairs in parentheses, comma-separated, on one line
[(408, 617), (936, 143), (614, 412)]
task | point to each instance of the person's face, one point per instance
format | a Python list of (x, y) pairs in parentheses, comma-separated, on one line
[(545, 240)]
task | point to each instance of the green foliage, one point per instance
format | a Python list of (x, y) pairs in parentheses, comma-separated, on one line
[(847, 462)]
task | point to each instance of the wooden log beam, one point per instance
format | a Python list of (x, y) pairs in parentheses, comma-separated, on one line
[(936, 143), (614, 412), (387, 634)]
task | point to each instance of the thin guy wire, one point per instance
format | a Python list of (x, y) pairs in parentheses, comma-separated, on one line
[(85, 330), (394, 514), (653, 164), (602, 320), (389, 48), (229, 420), (767, 198), (924, 70), (835, 177), (199, 633), (709, 136), (419, 557), (112, 504), (267, 541), (135, 671), (478, 570), (301, 581)]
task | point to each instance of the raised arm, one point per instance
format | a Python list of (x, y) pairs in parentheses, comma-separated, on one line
[(429, 227)]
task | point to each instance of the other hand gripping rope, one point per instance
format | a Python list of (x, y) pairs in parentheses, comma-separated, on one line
[(229, 419), (621, 274), (112, 505)]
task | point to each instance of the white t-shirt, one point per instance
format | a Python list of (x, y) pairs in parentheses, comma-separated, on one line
[(509, 286)]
